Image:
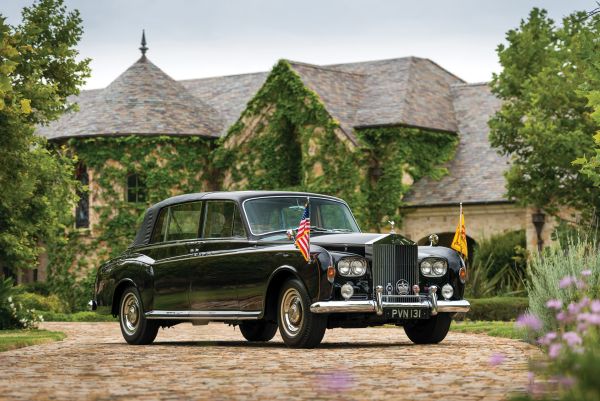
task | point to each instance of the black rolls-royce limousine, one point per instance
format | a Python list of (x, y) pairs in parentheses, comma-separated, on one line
[(230, 257)]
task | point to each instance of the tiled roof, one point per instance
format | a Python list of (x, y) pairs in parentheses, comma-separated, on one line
[(143, 101), (404, 91), (476, 172)]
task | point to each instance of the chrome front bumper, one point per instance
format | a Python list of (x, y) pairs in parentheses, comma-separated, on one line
[(377, 305)]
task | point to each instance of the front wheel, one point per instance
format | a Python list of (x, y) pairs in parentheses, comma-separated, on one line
[(298, 326), (136, 329), (430, 331)]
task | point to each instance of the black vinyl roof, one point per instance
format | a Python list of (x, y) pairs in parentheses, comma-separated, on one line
[(145, 231)]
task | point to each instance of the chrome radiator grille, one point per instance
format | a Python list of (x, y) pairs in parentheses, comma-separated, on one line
[(392, 263)]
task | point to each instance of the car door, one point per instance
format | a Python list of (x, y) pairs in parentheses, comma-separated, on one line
[(176, 235), (223, 254)]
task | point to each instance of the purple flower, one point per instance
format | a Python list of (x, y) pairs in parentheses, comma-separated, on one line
[(595, 306), (566, 381), (529, 321), (563, 316), (590, 318), (574, 308), (566, 281), (580, 284), (497, 359), (586, 273), (554, 350), (572, 338), (554, 304), (548, 338)]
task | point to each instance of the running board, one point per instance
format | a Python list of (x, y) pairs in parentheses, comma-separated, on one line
[(202, 315)]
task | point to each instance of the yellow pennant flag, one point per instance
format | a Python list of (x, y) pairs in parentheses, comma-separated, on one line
[(459, 243)]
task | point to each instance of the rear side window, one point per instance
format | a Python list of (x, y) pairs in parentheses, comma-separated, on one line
[(178, 222)]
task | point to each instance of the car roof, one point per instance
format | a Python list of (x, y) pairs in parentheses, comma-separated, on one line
[(145, 231)]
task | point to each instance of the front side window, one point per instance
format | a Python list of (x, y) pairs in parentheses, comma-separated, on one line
[(222, 220), (178, 222), (277, 214), (136, 188)]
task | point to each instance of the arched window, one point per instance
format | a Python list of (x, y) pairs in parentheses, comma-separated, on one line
[(82, 210), (136, 188)]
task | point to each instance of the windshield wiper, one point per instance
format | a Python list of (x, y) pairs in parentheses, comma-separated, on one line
[(329, 230)]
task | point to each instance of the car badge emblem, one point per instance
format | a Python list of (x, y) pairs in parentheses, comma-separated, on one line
[(389, 288), (402, 287)]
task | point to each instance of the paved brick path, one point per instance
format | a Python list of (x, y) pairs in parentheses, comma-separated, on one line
[(215, 363)]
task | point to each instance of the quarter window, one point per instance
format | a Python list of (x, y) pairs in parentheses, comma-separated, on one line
[(136, 188), (223, 220)]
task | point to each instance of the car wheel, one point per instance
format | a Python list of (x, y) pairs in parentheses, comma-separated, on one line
[(136, 329), (430, 331), (298, 326), (258, 331)]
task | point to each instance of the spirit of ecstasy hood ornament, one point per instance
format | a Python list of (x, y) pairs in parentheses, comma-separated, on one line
[(392, 223)]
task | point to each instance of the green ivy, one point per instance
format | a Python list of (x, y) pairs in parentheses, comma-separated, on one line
[(261, 151)]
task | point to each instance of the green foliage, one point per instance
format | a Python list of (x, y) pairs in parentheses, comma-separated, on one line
[(13, 339), (170, 166), (395, 152), (39, 303), (286, 140), (544, 122), (13, 315), (557, 262), (496, 308), (494, 329), (77, 317), (499, 266), (38, 71)]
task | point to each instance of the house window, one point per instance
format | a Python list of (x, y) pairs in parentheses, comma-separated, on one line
[(136, 188), (82, 210)]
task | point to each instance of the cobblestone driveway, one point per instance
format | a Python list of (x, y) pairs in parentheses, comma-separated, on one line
[(215, 363)]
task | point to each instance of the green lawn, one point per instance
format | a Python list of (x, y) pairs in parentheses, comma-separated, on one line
[(13, 339), (495, 329)]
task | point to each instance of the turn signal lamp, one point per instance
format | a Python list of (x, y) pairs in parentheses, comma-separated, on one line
[(462, 274), (331, 274)]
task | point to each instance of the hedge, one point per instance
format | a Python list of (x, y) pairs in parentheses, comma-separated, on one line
[(496, 309)]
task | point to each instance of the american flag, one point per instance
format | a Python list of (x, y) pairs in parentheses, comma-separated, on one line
[(303, 235)]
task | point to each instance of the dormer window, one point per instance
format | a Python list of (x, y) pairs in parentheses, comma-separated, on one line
[(136, 188)]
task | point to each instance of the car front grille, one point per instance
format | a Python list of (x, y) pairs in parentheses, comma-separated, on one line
[(393, 263)]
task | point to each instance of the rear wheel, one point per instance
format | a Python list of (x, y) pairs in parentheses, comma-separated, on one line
[(430, 331), (136, 329), (258, 331), (298, 326)]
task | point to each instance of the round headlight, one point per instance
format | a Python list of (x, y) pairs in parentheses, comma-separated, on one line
[(344, 267), (439, 268), (359, 267), (347, 291), (426, 267), (447, 291)]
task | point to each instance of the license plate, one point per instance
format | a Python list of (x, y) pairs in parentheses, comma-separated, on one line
[(406, 313)]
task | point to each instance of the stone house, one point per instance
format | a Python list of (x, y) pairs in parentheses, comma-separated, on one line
[(147, 136)]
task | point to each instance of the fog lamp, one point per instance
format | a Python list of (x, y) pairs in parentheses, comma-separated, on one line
[(347, 291), (447, 291)]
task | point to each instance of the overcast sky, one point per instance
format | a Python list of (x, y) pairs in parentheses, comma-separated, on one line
[(195, 39)]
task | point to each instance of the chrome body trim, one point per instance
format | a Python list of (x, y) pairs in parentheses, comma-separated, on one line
[(202, 315), (433, 300), (370, 306)]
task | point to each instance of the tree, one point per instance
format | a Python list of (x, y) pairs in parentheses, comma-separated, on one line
[(544, 122), (39, 70)]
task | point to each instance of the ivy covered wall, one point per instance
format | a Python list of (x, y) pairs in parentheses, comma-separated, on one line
[(286, 140), (168, 165)]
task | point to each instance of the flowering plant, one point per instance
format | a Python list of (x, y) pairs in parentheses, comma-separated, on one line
[(12, 314)]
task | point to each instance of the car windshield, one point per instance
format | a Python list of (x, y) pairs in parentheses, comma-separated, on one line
[(269, 215)]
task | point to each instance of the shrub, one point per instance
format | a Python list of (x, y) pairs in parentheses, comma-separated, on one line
[(12, 314), (553, 272), (572, 364), (499, 266), (50, 303), (495, 309)]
